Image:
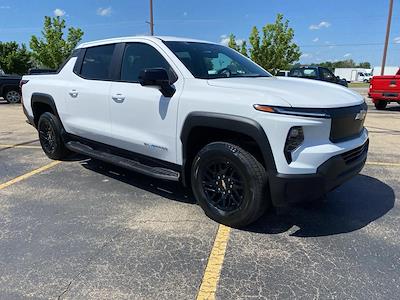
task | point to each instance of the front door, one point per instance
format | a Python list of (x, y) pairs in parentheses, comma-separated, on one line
[(142, 119)]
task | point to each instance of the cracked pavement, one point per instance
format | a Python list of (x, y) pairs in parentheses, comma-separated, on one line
[(87, 230)]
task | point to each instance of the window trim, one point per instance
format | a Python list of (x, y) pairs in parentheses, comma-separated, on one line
[(120, 59), (79, 62), (74, 53)]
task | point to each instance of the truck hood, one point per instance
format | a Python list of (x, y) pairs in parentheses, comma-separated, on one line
[(296, 92)]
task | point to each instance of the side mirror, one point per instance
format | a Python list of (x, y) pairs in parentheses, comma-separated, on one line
[(157, 77)]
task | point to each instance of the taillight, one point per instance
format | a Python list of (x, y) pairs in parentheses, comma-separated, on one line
[(21, 83)]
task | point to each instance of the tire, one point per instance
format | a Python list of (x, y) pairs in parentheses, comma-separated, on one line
[(50, 128), (380, 105), (12, 96), (230, 185)]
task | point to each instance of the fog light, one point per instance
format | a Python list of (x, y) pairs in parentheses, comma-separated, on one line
[(294, 139)]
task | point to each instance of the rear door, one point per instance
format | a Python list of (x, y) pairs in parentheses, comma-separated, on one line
[(143, 120), (87, 94)]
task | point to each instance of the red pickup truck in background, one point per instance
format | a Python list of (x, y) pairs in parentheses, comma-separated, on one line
[(385, 89)]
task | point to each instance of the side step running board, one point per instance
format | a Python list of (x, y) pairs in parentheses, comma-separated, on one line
[(156, 172)]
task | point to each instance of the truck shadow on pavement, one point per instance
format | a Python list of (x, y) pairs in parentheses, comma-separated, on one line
[(351, 207), (170, 190)]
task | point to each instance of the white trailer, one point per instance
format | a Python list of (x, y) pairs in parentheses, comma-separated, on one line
[(353, 74), (389, 70)]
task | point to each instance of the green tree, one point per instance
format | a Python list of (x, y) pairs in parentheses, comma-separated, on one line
[(14, 59), (349, 63), (52, 49), (275, 50), (243, 48), (232, 43), (365, 65)]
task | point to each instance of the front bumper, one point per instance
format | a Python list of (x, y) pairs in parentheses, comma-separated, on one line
[(290, 189)]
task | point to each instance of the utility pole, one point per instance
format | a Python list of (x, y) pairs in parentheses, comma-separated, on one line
[(151, 18), (389, 22)]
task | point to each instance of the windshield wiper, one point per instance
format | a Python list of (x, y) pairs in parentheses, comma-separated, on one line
[(251, 76)]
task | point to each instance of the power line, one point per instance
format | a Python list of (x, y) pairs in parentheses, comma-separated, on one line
[(348, 45)]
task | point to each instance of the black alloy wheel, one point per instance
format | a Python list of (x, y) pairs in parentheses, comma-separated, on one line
[(50, 136), (230, 184), (223, 185)]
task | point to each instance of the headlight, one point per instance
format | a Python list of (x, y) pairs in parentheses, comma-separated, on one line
[(294, 111), (294, 139)]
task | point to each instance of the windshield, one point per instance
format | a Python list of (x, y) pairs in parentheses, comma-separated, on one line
[(211, 61)]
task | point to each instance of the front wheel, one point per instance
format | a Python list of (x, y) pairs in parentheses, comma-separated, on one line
[(230, 184), (380, 105), (50, 128)]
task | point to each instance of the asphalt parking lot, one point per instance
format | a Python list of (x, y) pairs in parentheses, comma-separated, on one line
[(82, 229)]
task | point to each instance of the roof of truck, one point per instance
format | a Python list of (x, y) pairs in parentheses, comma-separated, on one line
[(134, 38)]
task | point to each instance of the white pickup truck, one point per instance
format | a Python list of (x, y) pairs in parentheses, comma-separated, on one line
[(203, 114)]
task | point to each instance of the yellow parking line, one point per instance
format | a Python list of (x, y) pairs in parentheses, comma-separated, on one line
[(375, 163), (213, 270), (27, 175), (20, 146)]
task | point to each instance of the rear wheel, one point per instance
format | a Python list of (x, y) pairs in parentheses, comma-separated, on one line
[(13, 96), (50, 128), (380, 105), (230, 184)]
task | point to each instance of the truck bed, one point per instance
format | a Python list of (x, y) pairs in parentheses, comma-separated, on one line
[(385, 88)]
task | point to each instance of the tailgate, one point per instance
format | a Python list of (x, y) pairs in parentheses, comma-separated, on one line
[(389, 86)]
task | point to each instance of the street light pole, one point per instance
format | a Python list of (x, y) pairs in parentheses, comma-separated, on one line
[(151, 18), (389, 22)]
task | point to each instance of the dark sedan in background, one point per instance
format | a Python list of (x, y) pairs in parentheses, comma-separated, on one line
[(317, 73), (9, 88)]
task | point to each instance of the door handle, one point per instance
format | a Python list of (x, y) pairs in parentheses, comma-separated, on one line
[(73, 93), (118, 98)]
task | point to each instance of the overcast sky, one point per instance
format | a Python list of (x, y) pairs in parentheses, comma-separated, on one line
[(324, 29)]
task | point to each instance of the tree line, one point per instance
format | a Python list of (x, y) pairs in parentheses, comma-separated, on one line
[(348, 63), (48, 51), (273, 48)]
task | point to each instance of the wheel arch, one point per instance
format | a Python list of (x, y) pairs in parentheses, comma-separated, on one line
[(42, 103), (221, 123)]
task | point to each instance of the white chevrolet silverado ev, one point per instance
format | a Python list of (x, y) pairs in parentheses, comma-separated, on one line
[(203, 114)]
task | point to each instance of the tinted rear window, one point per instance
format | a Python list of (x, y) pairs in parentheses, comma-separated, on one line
[(304, 73), (97, 61)]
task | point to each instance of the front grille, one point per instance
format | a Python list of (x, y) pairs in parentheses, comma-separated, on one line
[(353, 155), (345, 124)]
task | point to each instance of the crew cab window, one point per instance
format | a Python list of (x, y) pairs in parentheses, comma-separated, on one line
[(310, 73), (296, 73), (139, 56), (327, 75), (97, 61)]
